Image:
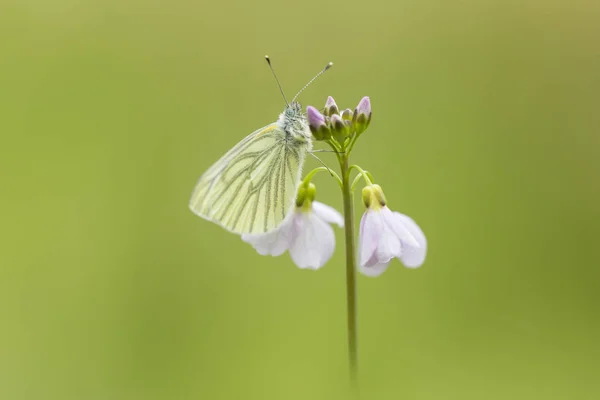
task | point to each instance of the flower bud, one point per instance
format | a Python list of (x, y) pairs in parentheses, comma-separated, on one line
[(330, 107), (340, 128), (362, 115), (317, 124), (347, 114)]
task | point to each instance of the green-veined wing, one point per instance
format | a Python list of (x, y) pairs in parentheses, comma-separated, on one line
[(253, 186)]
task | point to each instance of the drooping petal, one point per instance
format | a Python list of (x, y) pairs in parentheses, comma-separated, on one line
[(398, 228), (412, 257), (315, 244), (328, 214), (389, 245), (301, 252), (273, 243), (371, 261), (371, 227), (373, 270)]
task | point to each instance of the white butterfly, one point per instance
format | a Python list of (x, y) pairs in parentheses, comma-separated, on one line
[(253, 186)]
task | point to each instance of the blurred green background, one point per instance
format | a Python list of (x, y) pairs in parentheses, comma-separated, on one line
[(485, 130)]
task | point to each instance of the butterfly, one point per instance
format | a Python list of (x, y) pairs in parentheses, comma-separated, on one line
[(251, 189)]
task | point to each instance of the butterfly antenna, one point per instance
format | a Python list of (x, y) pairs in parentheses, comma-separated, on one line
[(312, 80), (277, 80)]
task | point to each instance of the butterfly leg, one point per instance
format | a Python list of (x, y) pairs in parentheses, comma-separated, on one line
[(318, 159)]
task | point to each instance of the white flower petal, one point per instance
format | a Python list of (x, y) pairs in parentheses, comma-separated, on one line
[(374, 270), (326, 240), (371, 227), (306, 234), (389, 246), (328, 214), (371, 261), (315, 244), (412, 257), (398, 228), (275, 242)]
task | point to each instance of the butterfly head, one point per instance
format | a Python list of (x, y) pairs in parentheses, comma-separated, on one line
[(294, 123)]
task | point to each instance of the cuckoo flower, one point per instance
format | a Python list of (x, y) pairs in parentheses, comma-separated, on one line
[(385, 235), (305, 233)]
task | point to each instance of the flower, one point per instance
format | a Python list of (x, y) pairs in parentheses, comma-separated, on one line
[(362, 115), (385, 234), (305, 233)]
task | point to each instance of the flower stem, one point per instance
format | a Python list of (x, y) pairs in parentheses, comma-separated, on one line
[(350, 265), (312, 173)]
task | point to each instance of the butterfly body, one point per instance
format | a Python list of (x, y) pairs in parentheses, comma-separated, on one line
[(253, 186), (293, 122)]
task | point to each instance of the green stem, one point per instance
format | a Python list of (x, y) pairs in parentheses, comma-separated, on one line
[(365, 174), (350, 265), (312, 173)]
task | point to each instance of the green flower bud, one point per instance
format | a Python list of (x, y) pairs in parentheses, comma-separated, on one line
[(330, 107), (362, 115), (347, 114), (317, 124), (340, 128)]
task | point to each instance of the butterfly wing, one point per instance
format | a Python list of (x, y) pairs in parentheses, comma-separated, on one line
[(253, 186)]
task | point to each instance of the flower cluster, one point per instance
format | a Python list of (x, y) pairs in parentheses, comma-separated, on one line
[(340, 126), (306, 232)]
